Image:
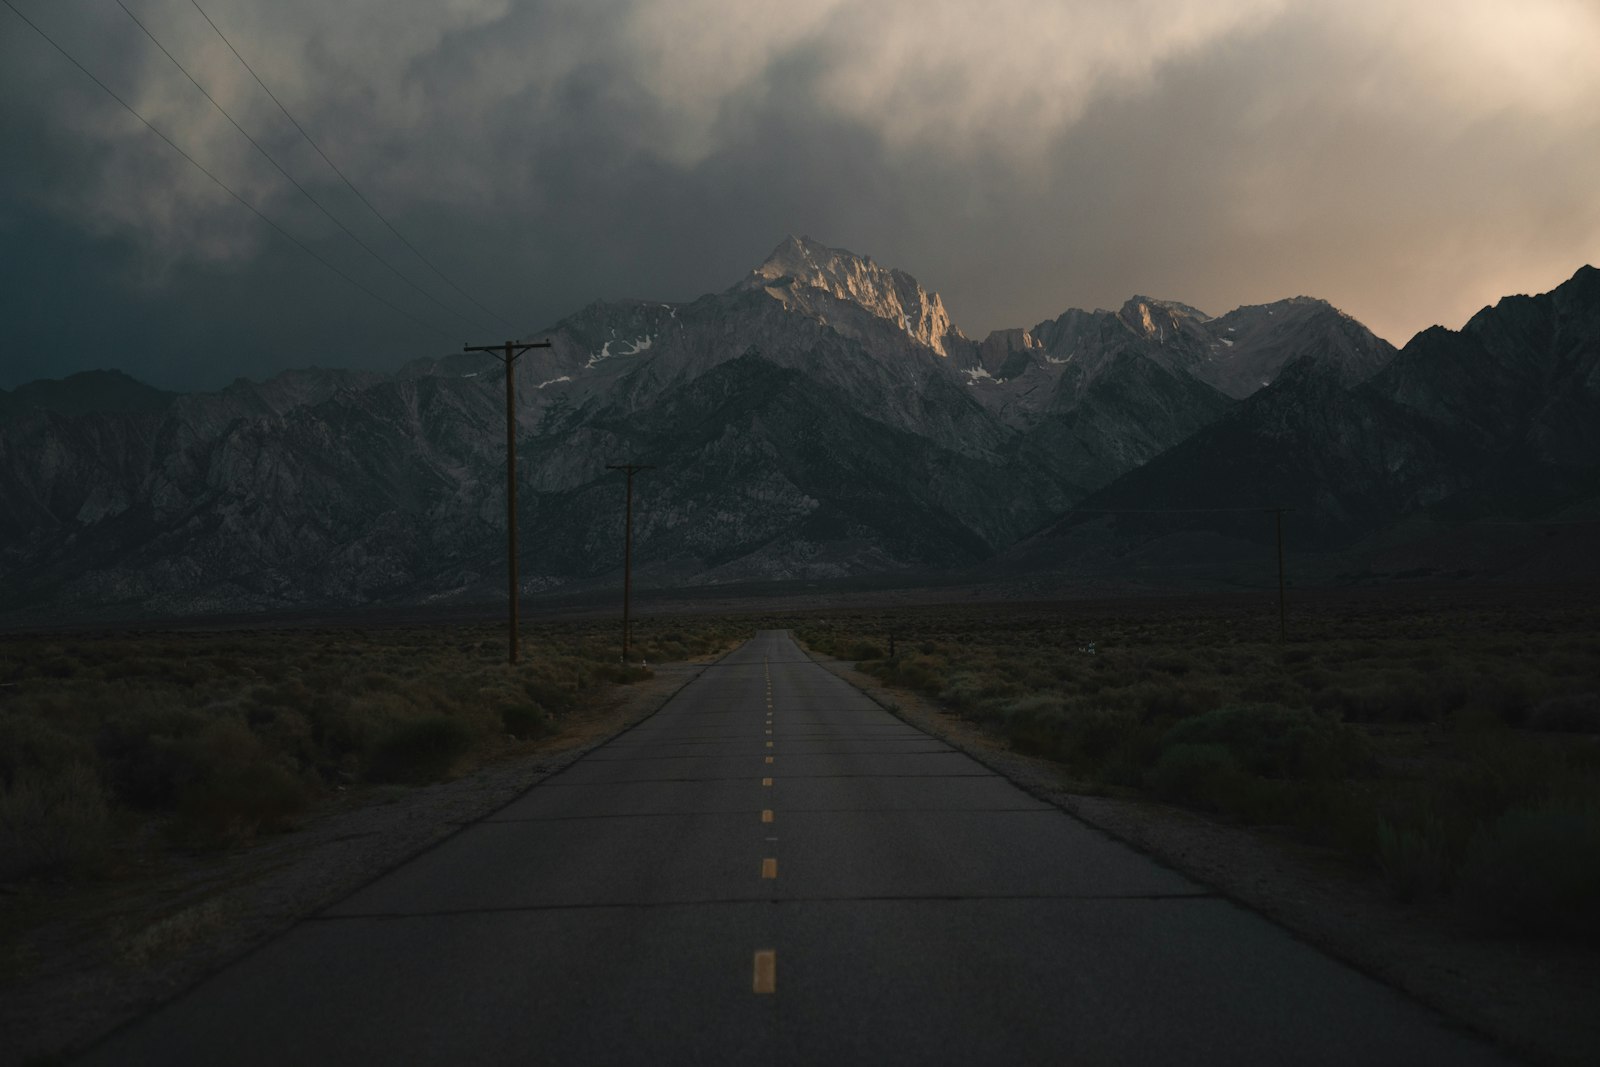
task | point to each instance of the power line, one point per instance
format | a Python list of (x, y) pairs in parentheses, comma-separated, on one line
[(1530, 522), (280, 169), (348, 183), (285, 234), (1171, 511)]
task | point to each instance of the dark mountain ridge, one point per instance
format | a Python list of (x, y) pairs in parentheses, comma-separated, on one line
[(1499, 421), (819, 419)]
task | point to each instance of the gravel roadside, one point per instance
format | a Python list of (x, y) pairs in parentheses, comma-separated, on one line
[(1540, 1001)]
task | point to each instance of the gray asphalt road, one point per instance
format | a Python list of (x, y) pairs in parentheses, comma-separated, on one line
[(773, 869)]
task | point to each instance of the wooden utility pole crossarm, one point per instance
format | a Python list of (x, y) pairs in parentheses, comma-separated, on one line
[(507, 352)]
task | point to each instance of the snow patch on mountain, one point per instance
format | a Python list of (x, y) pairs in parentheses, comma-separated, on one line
[(639, 344)]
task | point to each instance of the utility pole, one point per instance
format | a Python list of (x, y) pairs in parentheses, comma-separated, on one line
[(507, 353), (1283, 617), (627, 550)]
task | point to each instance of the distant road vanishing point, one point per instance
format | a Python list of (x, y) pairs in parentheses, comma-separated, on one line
[(772, 869)]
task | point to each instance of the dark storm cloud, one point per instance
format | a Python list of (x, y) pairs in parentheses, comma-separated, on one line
[(1408, 165)]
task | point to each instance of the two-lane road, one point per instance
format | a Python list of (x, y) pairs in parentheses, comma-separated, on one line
[(773, 869)]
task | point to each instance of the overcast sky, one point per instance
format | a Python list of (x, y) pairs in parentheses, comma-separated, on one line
[(1408, 161)]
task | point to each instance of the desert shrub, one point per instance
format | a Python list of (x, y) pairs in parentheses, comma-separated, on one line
[(1536, 869), (1334, 812), (1577, 713), (1032, 677), (418, 750), (285, 693), (1176, 664), (524, 719), (1278, 742), (182, 671), (219, 737), (620, 673), (290, 734), (1035, 724), (1414, 860), (665, 650), (336, 725), (963, 693), (923, 673), (1196, 773), (149, 755), (1272, 690), (1510, 695), (1312, 679), (1114, 744), (375, 681), (1390, 700), (1169, 700), (999, 686), (1449, 689), (548, 693), (1094, 733), (29, 743), (864, 650), (1248, 661), (1499, 771), (232, 805), (238, 788), (59, 667), (52, 821)]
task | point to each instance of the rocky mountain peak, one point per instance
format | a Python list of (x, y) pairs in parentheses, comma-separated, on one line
[(801, 269), (1252, 344), (1149, 317)]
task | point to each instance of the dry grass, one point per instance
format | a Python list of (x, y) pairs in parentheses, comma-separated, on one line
[(206, 740)]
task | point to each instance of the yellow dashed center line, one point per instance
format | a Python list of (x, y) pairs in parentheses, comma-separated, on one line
[(766, 977), (764, 980)]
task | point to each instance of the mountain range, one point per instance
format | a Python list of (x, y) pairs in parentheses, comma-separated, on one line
[(822, 418)]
